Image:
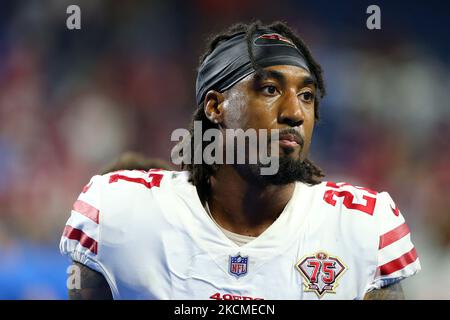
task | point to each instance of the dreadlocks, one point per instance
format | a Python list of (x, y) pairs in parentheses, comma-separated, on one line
[(200, 173)]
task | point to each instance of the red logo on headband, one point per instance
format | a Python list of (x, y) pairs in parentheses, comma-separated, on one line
[(273, 36)]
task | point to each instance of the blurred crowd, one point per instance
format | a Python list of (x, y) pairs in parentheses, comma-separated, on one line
[(73, 101)]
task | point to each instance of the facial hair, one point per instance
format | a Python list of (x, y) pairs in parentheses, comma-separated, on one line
[(290, 170)]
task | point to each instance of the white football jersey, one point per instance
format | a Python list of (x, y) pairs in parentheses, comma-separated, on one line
[(151, 238)]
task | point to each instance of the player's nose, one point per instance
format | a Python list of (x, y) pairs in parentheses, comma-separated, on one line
[(290, 110)]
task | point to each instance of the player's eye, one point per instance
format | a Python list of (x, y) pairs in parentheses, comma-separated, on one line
[(307, 96), (269, 90)]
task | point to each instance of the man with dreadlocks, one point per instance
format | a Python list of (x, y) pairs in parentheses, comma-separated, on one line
[(225, 231)]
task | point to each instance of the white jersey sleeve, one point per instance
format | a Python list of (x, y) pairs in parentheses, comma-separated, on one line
[(81, 234), (397, 256)]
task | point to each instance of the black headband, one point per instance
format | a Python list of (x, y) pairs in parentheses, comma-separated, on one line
[(229, 62)]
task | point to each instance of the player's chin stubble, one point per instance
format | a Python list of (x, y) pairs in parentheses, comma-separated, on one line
[(289, 170)]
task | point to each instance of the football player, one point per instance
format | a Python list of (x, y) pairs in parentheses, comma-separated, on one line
[(225, 231)]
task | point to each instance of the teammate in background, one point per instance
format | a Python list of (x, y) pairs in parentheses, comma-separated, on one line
[(224, 231), (135, 161)]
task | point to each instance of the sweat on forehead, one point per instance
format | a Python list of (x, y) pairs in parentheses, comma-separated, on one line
[(230, 61)]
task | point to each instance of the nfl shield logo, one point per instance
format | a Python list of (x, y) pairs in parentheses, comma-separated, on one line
[(238, 265)]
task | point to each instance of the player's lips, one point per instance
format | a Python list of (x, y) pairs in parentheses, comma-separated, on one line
[(290, 140)]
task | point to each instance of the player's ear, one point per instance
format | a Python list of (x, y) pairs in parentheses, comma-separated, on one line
[(213, 106)]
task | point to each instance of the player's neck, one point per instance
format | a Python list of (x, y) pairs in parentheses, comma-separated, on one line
[(245, 208)]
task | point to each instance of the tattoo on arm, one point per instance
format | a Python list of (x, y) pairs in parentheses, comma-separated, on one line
[(93, 286), (392, 292)]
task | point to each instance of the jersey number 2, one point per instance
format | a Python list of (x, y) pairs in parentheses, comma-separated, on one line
[(348, 196)]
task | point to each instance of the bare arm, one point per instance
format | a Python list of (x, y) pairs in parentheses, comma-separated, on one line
[(93, 286), (392, 292)]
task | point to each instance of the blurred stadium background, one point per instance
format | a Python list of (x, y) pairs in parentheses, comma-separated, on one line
[(73, 101)]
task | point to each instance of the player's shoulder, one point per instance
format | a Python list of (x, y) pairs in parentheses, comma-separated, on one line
[(347, 197), (116, 190), (111, 203), (342, 188), (123, 180)]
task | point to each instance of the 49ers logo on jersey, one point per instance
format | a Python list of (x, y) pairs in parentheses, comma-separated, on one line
[(321, 272)]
